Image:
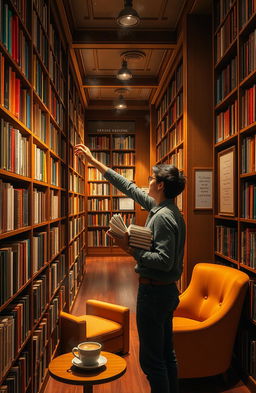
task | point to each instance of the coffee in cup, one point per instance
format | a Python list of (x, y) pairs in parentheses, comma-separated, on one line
[(88, 352)]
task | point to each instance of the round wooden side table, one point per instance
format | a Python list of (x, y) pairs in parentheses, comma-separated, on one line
[(62, 370)]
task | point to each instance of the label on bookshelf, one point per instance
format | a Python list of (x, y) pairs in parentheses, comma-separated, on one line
[(104, 127)]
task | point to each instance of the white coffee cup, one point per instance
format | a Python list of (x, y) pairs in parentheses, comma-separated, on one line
[(88, 352)]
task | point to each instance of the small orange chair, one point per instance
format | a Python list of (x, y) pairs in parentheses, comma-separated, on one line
[(206, 320), (104, 322)]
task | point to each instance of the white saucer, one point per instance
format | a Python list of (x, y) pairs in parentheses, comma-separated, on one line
[(101, 362)]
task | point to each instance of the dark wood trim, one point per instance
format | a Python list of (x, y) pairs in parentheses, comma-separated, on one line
[(101, 81), (122, 38)]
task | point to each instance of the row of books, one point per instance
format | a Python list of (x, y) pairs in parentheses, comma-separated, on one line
[(40, 164), (13, 37), (98, 188), (75, 276), (56, 76), (163, 148), (56, 108), (101, 219), (226, 34), (40, 80), (56, 46), (56, 273), (14, 149), (40, 206), (177, 159), (18, 377), (98, 204), (76, 204), (15, 267), (75, 248), (13, 207), (77, 165), (123, 159), (226, 241), (222, 7), (248, 106), (226, 80), (42, 10), (56, 239), (40, 296), (40, 256), (54, 172), (40, 40), (248, 153), (248, 247), (39, 122), (57, 142), (226, 122), (76, 225), (14, 329), (45, 340), (76, 183), (102, 157), (13, 95), (248, 59), (247, 9), (99, 142), (174, 86), (98, 238)]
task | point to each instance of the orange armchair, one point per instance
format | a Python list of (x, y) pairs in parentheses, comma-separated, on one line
[(206, 320), (104, 322)]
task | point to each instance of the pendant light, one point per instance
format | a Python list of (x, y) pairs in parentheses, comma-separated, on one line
[(128, 16), (120, 102), (124, 74)]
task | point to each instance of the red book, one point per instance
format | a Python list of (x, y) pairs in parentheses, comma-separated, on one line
[(17, 97)]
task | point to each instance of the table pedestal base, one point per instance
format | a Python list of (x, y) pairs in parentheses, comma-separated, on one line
[(88, 389)]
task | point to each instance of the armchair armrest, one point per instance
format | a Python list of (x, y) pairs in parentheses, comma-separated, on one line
[(114, 312), (76, 325)]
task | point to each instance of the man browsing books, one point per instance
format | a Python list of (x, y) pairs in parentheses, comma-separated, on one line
[(158, 268)]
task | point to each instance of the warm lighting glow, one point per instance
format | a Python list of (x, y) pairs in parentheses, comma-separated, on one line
[(121, 104), (128, 16), (124, 74)]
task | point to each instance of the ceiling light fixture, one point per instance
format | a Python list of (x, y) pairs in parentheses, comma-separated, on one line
[(120, 102), (124, 74), (128, 16)]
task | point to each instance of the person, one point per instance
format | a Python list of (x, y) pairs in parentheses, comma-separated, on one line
[(158, 269)]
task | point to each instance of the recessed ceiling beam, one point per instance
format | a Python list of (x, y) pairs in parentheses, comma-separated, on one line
[(135, 83), (109, 39)]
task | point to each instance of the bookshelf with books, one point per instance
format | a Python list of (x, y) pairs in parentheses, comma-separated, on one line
[(234, 40), (34, 179), (76, 192), (117, 143), (181, 114)]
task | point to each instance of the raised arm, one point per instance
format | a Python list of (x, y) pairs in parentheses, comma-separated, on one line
[(120, 182)]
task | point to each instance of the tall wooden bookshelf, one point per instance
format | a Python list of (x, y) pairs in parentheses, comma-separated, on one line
[(181, 132), (120, 141), (41, 221), (234, 40)]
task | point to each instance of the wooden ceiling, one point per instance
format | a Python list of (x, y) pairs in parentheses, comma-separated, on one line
[(99, 45)]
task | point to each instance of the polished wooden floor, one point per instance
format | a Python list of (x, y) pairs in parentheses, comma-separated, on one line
[(114, 280)]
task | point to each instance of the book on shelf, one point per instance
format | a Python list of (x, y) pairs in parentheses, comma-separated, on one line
[(140, 237)]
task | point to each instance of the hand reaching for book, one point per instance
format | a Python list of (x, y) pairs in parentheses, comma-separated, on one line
[(81, 149)]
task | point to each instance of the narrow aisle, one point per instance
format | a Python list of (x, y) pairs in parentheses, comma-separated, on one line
[(113, 279)]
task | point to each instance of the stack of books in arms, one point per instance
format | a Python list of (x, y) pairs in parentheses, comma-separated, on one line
[(140, 237)]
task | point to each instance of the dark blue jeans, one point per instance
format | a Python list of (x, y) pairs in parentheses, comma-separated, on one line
[(155, 306)]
